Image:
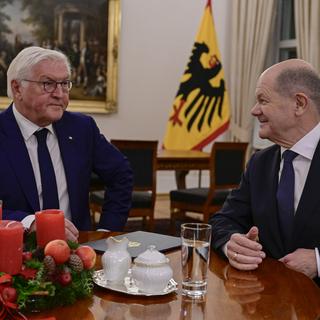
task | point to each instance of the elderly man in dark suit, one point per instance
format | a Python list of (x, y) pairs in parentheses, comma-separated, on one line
[(276, 209), (39, 84)]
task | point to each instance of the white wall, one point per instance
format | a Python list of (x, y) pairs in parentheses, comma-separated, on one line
[(155, 44)]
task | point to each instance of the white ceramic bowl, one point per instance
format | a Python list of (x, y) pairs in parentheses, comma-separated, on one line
[(151, 271)]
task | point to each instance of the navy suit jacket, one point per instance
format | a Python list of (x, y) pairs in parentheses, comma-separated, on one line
[(83, 150), (254, 204)]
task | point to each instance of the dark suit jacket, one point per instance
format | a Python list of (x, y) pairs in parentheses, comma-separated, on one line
[(254, 203), (83, 150)]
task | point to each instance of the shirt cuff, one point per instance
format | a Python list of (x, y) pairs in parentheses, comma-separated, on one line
[(224, 250), (318, 260), (27, 221)]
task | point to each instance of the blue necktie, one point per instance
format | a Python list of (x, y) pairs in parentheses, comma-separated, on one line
[(48, 179), (285, 198)]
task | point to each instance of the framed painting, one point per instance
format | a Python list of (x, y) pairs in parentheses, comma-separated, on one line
[(87, 31)]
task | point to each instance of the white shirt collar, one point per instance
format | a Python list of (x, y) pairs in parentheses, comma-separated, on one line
[(27, 127), (307, 145)]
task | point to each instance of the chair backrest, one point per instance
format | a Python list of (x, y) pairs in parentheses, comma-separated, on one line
[(227, 162), (142, 155), (96, 183)]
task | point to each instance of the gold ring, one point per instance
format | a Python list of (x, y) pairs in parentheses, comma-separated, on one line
[(235, 256)]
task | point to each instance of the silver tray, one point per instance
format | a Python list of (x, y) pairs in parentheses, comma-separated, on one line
[(128, 286)]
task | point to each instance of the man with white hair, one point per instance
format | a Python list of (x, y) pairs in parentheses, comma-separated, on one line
[(38, 81)]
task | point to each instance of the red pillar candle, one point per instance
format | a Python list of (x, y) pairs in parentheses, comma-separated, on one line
[(11, 246), (49, 226)]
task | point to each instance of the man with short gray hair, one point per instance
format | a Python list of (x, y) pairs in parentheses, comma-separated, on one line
[(39, 84)]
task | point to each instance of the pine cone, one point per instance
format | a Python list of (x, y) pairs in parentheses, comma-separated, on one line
[(49, 264), (75, 263), (38, 253)]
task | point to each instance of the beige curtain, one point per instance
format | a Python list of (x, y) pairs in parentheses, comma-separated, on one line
[(307, 22), (252, 22)]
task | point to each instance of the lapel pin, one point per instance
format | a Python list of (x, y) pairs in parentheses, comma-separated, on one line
[(70, 138)]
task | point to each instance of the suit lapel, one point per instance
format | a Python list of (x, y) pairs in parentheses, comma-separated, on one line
[(17, 154), (310, 196)]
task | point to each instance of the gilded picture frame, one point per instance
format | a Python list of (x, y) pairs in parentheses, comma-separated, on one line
[(95, 97)]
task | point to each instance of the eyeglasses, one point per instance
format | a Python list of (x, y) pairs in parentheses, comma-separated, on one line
[(50, 86)]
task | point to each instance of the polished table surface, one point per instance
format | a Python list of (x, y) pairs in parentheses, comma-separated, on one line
[(271, 292)]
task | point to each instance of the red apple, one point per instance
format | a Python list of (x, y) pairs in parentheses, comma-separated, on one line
[(87, 255), (26, 256), (9, 294), (65, 278), (58, 249)]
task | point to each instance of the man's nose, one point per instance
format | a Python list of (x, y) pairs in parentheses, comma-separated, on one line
[(255, 111), (58, 90)]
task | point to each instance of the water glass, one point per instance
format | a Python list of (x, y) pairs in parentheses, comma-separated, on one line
[(195, 255), (192, 308)]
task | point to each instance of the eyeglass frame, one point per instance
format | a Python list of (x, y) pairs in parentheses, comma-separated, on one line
[(48, 82)]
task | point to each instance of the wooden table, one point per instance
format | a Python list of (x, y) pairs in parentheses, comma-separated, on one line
[(271, 292), (182, 162)]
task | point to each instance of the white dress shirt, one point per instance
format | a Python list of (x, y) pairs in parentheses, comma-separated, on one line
[(28, 129)]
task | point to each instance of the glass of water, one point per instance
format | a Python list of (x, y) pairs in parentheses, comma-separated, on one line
[(195, 255)]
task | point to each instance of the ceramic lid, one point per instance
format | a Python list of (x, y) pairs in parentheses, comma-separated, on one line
[(151, 257)]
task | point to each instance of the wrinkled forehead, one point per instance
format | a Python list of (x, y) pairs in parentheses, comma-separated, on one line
[(50, 68)]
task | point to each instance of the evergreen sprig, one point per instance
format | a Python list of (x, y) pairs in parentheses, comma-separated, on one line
[(39, 293), (45, 291)]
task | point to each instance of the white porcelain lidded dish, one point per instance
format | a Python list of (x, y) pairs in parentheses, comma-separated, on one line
[(151, 271)]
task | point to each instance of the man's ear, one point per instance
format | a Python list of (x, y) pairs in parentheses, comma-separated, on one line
[(16, 89), (302, 102)]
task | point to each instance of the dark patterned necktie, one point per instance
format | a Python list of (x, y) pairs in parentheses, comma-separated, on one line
[(48, 179), (285, 198)]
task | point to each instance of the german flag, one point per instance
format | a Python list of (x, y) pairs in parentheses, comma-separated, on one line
[(200, 110)]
